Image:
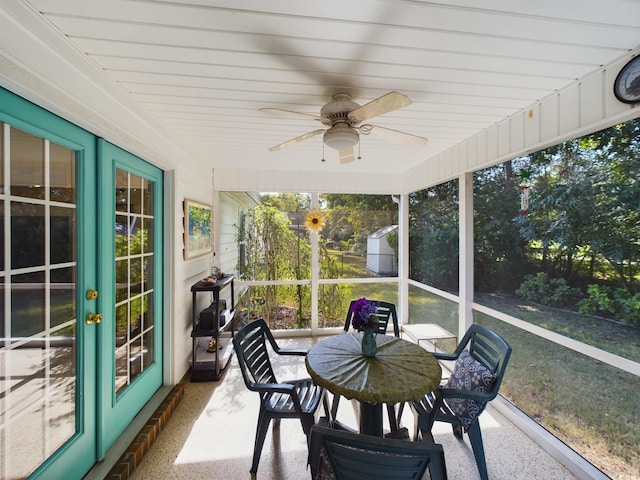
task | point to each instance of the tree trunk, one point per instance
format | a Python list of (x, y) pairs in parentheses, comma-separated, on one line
[(508, 174)]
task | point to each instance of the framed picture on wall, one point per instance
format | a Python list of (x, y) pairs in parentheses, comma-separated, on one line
[(197, 229)]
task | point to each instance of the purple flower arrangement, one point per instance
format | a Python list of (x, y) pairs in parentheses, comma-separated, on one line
[(363, 314)]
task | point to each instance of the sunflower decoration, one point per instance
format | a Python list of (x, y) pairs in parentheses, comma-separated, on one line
[(314, 221)]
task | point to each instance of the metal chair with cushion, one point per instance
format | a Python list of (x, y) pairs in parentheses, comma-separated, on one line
[(385, 311), (340, 455), (291, 399), (481, 360)]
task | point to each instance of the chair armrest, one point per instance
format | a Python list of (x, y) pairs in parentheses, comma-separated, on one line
[(446, 356), (470, 394), (272, 387), (292, 351)]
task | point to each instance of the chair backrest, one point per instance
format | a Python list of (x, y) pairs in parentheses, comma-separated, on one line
[(384, 312), (250, 345), (345, 455), (488, 348)]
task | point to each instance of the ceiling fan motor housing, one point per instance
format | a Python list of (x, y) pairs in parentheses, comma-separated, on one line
[(338, 110), (341, 136)]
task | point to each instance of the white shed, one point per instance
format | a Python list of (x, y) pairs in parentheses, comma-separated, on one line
[(380, 256)]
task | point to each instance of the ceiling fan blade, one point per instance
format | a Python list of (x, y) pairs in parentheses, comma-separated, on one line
[(290, 113), (386, 103), (346, 156), (394, 136), (298, 139)]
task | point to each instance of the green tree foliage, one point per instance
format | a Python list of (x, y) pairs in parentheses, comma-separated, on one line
[(548, 291), (562, 205), (582, 227), (270, 243), (272, 248), (333, 299), (288, 202), (584, 218), (130, 272), (272, 251), (616, 225), (433, 236), (352, 218), (499, 258), (585, 206)]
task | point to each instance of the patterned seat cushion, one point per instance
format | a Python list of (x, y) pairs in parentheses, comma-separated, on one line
[(325, 470), (468, 374)]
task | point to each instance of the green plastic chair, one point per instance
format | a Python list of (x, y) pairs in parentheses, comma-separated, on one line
[(451, 405), (291, 399), (385, 311), (341, 455)]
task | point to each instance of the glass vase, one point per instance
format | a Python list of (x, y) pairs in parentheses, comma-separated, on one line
[(369, 346)]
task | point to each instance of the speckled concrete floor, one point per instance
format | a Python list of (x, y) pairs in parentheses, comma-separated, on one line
[(211, 433)]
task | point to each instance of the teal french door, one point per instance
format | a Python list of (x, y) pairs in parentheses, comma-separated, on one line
[(130, 266), (80, 292)]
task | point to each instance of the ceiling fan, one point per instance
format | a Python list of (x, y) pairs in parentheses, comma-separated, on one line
[(344, 118)]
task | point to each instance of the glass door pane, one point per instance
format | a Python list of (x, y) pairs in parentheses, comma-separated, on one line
[(134, 341), (38, 384)]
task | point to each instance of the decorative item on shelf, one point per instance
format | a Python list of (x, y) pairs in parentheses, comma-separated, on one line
[(216, 272), (315, 221), (364, 319)]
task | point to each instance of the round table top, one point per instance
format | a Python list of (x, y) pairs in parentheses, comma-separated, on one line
[(401, 371)]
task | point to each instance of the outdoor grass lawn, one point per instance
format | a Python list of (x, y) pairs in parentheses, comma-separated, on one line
[(354, 266), (589, 405), (614, 337)]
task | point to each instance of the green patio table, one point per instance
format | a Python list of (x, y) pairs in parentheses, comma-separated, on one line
[(401, 371)]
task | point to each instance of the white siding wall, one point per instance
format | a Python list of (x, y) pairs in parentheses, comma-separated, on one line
[(231, 205), (182, 274)]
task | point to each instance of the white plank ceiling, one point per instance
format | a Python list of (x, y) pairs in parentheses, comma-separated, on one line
[(203, 69)]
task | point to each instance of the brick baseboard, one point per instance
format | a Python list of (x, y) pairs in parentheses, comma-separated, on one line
[(132, 457)]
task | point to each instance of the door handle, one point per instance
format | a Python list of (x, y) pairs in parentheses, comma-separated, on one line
[(93, 318)]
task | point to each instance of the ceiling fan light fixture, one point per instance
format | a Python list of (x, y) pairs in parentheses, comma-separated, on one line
[(341, 137)]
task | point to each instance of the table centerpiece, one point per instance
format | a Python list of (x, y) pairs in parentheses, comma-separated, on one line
[(365, 320)]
